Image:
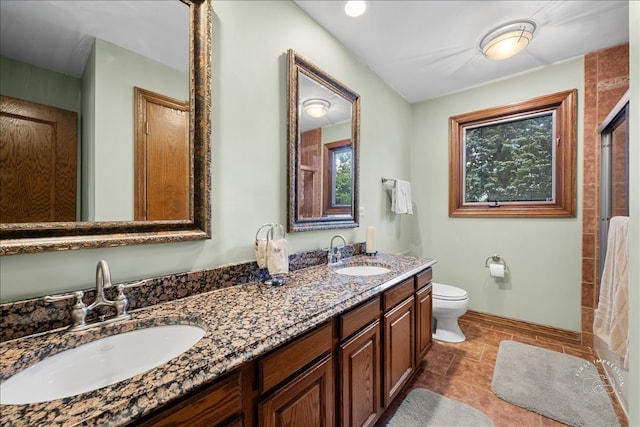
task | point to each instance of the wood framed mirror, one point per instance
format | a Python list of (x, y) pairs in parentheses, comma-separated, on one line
[(194, 223), (324, 137)]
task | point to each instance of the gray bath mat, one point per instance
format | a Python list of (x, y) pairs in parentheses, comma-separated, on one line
[(559, 386), (423, 408)]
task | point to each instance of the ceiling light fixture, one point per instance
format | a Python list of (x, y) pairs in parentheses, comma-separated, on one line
[(507, 40), (355, 8), (316, 107)]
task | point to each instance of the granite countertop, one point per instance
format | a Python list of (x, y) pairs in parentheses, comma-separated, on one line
[(241, 323)]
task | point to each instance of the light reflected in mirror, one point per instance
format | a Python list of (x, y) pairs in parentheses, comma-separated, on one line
[(323, 149), (138, 84)]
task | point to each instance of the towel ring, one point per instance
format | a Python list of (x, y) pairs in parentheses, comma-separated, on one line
[(271, 226), (496, 260)]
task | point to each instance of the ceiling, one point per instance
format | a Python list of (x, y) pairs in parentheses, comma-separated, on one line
[(420, 48), (58, 35), (424, 49)]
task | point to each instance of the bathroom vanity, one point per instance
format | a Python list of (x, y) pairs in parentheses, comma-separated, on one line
[(325, 347)]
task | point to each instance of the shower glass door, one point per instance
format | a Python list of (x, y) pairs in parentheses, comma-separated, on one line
[(614, 169)]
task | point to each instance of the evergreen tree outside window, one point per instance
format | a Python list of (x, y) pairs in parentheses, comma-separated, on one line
[(510, 161), (517, 160), (341, 182), (338, 182)]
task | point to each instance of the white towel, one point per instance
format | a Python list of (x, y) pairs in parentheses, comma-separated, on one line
[(611, 319), (401, 198), (277, 257), (261, 252)]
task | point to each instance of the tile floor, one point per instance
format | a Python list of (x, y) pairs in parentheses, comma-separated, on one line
[(464, 372)]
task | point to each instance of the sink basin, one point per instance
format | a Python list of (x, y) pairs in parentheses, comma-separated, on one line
[(362, 270), (98, 364)]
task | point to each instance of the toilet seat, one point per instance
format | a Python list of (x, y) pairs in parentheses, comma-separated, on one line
[(448, 293)]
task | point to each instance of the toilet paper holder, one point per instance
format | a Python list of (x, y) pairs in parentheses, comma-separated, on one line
[(496, 259)]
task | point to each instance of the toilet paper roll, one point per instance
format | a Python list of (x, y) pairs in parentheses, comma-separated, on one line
[(496, 270)]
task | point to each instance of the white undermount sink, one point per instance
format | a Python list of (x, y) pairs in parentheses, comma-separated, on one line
[(362, 270), (98, 364)]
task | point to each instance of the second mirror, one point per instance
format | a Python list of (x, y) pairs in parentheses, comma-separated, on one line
[(323, 149)]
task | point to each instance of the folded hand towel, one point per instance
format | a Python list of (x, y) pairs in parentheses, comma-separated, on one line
[(401, 198), (277, 257), (611, 318), (261, 252)]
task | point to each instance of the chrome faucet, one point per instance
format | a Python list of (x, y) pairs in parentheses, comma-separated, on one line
[(79, 311), (335, 253)]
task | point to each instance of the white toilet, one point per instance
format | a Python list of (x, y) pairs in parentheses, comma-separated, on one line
[(449, 303)]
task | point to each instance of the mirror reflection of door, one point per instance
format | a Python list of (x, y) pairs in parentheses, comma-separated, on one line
[(310, 190), (162, 157), (614, 170), (37, 137)]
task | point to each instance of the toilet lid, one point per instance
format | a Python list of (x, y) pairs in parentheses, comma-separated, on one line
[(449, 293)]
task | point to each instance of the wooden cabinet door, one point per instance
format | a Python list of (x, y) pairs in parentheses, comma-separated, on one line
[(423, 322), (38, 146), (360, 378), (399, 355), (308, 400)]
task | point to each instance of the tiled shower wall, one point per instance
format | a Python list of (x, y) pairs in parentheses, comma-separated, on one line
[(606, 79)]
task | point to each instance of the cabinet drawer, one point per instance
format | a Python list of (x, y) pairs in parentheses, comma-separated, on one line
[(289, 359), (398, 293), (210, 407), (423, 278), (359, 317)]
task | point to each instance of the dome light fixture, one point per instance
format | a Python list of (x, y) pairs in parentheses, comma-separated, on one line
[(355, 8), (507, 40), (316, 107)]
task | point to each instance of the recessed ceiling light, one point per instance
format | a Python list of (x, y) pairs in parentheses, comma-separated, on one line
[(507, 40), (355, 8)]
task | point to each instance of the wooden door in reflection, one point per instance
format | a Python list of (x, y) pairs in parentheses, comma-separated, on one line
[(38, 162), (162, 161)]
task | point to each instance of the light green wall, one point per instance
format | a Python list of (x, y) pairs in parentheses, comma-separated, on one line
[(249, 156), (542, 255), (29, 82), (337, 132), (88, 152)]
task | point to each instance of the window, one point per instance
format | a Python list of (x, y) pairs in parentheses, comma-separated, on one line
[(517, 160), (338, 190)]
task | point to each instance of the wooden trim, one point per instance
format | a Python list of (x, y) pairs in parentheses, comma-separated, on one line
[(565, 105), (524, 326), (329, 208)]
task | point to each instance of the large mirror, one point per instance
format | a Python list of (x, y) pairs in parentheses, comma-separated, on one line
[(112, 100), (324, 135)]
